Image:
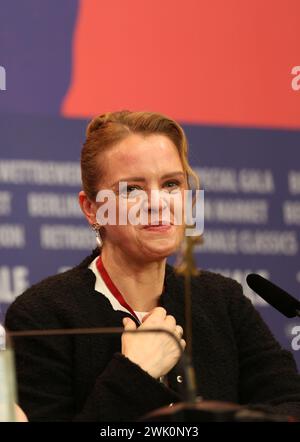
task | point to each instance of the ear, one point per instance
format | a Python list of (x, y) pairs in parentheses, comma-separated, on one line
[(89, 208)]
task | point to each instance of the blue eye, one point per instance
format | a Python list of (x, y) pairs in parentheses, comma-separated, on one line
[(130, 190), (133, 187), (172, 184)]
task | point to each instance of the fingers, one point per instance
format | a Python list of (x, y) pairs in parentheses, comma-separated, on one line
[(179, 330), (178, 333), (155, 353), (158, 313), (129, 324), (158, 318), (170, 322), (146, 316)]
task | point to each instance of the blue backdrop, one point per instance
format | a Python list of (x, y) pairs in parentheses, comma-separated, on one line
[(251, 176), (252, 220)]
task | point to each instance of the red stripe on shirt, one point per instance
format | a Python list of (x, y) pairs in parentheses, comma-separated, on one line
[(111, 286)]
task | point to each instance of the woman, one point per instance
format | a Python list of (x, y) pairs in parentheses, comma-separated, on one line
[(126, 282)]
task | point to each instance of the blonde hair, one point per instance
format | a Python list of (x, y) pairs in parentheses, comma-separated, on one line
[(110, 128)]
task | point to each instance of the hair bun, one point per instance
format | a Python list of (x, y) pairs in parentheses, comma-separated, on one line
[(96, 123), (111, 117)]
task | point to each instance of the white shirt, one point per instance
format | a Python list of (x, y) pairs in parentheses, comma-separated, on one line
[(102, 288)]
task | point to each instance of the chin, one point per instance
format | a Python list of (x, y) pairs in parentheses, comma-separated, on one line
[(159, 251)]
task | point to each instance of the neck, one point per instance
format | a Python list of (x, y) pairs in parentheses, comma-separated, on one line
[(141, 284)]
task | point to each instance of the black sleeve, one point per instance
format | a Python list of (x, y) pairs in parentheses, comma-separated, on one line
[(122, 392), (125, 392), (268, 374)]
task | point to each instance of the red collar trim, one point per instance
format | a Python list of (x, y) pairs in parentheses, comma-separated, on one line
[(111, 286)]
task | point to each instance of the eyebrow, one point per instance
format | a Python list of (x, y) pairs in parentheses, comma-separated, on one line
[(142, 179)]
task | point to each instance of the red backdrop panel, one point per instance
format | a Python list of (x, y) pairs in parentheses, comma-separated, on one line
[(200, 61)]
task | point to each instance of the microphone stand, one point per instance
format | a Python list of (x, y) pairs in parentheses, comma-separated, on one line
[(185, 411), (193, 409), (196, 409), (188, 390), (187, 268)]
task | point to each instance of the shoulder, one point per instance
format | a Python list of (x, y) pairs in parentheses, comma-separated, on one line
[(54, 293), (210, 284), (217, 283), (221, 294), (226, 294), (211, 292)]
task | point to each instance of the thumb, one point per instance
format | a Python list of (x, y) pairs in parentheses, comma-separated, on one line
[(129, 324), (146, 316)]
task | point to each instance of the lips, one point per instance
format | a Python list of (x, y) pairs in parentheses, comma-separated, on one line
[(159, 221), (159, 224), (158, 227)]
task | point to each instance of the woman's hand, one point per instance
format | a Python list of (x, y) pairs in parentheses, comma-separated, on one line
[(156, 352)]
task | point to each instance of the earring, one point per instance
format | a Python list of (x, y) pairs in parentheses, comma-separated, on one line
[(96, 228)]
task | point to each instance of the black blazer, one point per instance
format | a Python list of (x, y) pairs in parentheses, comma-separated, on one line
[(235, 356)]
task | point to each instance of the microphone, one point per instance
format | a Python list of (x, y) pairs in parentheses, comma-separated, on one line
[(274, 295)]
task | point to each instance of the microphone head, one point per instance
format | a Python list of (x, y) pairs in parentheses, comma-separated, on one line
[(274, 295)]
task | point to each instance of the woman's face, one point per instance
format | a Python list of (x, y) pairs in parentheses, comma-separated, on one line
[(145, 163)]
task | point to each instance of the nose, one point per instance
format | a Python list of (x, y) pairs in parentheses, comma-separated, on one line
[(157, 201), (155, 207)]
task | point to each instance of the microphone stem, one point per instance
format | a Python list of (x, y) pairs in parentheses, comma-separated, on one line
[(184, 361), (189, 270), (188, 311)]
